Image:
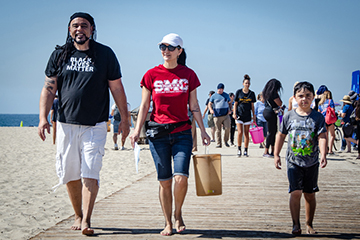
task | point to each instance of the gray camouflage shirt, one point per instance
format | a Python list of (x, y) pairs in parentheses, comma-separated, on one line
[(303, 131)]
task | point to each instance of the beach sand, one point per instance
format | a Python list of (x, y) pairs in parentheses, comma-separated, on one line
[(27, 175)]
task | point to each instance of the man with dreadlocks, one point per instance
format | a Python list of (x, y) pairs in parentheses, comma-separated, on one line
[(82, 71)]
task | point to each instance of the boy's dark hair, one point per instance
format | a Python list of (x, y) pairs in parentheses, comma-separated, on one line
[(231, 94), (304, 85)]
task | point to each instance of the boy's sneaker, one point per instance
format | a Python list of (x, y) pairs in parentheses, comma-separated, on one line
[(239, 153), (116, 147), (122, 148), (245, 154)]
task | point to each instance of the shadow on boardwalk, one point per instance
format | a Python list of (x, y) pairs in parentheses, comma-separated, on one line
[(220, 234)]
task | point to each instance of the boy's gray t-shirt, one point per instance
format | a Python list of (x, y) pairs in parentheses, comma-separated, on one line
[(303, 131)]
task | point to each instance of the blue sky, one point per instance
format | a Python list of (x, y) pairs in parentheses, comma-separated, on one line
[(311, 40)]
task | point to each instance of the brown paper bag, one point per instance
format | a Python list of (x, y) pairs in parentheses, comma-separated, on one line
[(208, 174)]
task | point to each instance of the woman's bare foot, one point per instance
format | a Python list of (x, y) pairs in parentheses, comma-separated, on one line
[(77, 224), (179, 225), (310, 230), (296, 230), (167, 231), (86, 230)]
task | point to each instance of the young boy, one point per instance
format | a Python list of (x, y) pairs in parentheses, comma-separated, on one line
[(306, 128)]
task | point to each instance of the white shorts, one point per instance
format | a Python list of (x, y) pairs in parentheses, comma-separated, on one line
[(244, 123), (79, 151)]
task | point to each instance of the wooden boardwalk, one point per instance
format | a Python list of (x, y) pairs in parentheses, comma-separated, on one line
[(254, 204)]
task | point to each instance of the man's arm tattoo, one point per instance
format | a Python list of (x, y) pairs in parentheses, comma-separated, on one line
[(49, 84)]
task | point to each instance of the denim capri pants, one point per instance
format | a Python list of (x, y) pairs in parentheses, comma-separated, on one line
[(176, 147)]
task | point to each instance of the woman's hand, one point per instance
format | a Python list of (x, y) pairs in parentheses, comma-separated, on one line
[(134, 137)]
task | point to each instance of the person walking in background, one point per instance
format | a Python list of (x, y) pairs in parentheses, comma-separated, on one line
[(272, 106), (232, 120), (117, 119), (210, 118), (357, 119), (220, 107), (317, 98), (325, 102), (348, 128), (292, 102), (260, 120), (170, 108), (306, 130), (243, 107), (53, 116), (353, 97), (82, 71)]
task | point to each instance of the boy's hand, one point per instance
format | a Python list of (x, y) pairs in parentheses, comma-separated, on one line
[(277, 162), (323, 162)]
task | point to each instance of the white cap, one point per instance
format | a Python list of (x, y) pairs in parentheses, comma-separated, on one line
[(173, 39)]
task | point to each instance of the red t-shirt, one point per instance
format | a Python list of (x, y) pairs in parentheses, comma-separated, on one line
[(170, 90)]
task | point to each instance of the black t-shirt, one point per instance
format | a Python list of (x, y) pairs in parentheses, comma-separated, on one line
[(270, 102), (244, 100), (82, 84), (207, 103)]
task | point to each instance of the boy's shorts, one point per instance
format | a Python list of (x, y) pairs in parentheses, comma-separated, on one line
[(303, 178), (79, 151)]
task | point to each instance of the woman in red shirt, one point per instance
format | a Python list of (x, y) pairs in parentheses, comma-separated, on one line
[(171, 86)]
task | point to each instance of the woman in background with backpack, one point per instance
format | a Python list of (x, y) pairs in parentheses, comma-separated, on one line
[(347, 128), (325, 102)]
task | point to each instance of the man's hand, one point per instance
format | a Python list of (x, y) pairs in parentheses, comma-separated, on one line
[(43, 124), (124, 127)]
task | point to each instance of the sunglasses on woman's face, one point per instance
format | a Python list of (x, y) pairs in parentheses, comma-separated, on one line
[(171, 48)]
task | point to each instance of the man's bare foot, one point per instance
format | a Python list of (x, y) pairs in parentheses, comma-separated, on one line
[(310, 230), (296, 230), (77, 224), (179, 225), (86, 230), (167, 231)]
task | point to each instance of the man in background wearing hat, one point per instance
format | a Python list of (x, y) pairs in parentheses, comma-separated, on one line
[(347, 128), (82, 71), (220, 107)]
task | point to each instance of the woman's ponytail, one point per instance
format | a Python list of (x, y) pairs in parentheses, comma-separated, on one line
[(182, 58)]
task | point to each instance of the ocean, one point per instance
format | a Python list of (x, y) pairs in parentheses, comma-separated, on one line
[(32, 120), (14, 120)]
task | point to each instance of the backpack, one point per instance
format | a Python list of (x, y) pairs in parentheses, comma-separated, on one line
[(353, 117), (330, 116), (117, 116)]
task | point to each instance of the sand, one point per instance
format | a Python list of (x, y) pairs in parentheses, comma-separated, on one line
[(27, 175)]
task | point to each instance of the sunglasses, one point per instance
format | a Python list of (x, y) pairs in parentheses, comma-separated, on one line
[(171, 48)]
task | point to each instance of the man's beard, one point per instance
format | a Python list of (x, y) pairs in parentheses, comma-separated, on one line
[(81, 42)]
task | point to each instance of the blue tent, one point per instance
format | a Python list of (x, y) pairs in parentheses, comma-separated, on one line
[(355, 81)]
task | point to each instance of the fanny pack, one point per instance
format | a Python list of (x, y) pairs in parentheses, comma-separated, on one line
[(156, 130)]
